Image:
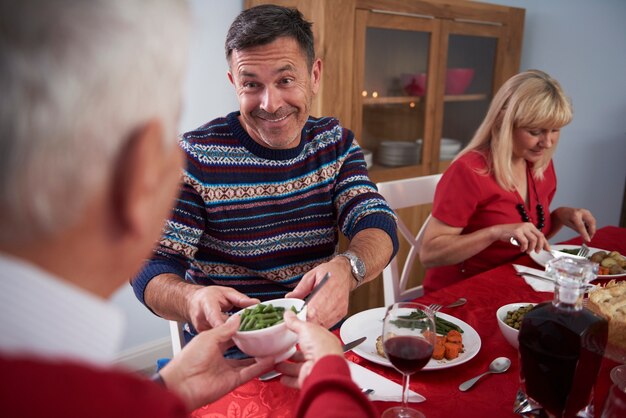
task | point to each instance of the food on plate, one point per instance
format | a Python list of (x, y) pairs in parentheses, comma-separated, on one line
[(447, 346), (572, 251), (379, 346), (514, 318), (441, 325), (610, 263), (262, 316), (610, 302)]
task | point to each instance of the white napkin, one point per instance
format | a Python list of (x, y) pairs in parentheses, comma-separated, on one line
[(538, 285), (384, 389)]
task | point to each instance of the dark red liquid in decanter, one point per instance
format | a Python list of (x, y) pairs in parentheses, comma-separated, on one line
[(561, 351)]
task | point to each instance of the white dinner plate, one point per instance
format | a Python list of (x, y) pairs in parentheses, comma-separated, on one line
[(542, 257), (369, 323)]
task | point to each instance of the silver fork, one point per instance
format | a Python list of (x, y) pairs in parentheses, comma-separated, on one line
[(583, 251), (435, 307)]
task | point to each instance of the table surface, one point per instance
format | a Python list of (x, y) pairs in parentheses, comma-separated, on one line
[(493, 395)]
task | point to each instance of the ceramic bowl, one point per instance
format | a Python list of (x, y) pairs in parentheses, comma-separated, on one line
[(458, 80), (275, 341), (510, 333)]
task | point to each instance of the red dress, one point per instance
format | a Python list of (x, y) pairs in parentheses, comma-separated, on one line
[(466, 198)]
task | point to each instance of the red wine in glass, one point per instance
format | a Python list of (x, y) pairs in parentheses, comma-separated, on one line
[(407, 353), (408, 342)]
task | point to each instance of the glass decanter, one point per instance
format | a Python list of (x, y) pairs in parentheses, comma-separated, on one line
[(561, 345)]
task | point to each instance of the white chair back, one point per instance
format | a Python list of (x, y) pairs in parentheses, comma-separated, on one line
[(176, 334), (401, 194)]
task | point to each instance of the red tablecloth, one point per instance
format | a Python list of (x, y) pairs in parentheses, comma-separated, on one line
[(493, 396)]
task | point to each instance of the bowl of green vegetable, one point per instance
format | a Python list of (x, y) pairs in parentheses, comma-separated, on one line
[(510, 318), (262, 331)]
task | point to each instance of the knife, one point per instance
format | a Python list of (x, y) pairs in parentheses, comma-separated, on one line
[(553, 253), (316, 289), (538, 274), (346, 347), (557, 254)]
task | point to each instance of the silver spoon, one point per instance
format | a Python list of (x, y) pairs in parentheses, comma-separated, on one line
[(499, 365)]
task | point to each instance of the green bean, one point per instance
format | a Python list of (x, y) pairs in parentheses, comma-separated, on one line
[(442, 326), (262, 316)]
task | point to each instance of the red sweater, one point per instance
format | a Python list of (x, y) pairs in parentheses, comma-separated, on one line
[(36, 388), (330, 392), (33, 388)]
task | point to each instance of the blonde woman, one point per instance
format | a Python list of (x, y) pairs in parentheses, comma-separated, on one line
[(501, 186)]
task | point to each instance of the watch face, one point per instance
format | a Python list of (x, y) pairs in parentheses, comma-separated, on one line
[(360, 267), (357, 266)]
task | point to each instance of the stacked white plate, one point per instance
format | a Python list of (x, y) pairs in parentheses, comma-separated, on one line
[(399, 153), (449, 148), (368, 156)]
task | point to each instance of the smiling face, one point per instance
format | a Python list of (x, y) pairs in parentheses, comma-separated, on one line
[(275, 90), (532, 144)]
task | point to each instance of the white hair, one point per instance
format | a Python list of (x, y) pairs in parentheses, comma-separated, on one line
[(76, 79)]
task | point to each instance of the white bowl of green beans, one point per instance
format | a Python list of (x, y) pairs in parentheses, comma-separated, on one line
[(263, 333)]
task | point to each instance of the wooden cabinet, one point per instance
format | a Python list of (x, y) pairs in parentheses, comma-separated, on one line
[(389, 74)]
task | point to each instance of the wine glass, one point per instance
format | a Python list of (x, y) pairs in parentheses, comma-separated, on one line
[(408, 341), (615, 403)]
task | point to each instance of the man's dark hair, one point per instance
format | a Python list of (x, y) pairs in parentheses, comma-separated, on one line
[(263, 24)]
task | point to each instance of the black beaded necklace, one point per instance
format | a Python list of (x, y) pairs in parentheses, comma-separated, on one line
[(521, 208)]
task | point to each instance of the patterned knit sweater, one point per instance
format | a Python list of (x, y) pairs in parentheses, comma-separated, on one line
[(257, 219)]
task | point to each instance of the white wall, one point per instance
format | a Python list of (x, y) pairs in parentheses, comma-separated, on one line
[(208, 94), (579, 42)]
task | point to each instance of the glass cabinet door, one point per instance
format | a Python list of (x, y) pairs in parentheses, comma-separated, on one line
[(422, 88), (393, 89), (468, 86)]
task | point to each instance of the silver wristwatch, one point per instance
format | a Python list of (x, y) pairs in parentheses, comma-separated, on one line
[(357, 265)]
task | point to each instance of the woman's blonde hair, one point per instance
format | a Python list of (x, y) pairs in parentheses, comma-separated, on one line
[(528, 99)]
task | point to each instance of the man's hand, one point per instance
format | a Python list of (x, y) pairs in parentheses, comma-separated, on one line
[(330, 305), (206, 305), (200, 374)]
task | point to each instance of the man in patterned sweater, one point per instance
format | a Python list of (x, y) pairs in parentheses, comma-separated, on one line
[(267, 190)]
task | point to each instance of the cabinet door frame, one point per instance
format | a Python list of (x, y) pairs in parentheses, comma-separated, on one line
[(365, 19), (467, 28)]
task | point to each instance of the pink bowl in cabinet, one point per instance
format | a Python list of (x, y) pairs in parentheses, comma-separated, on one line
[(458, 80)]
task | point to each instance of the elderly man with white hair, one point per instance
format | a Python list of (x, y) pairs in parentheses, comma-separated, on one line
[(89, 168)]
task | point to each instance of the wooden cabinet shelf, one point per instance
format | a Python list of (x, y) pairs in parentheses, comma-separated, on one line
[(394, 100)]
